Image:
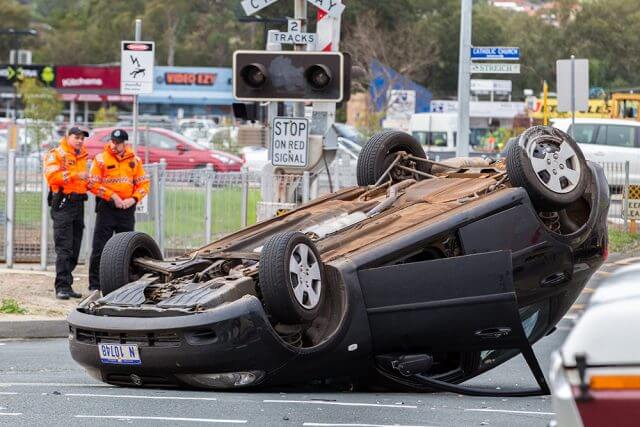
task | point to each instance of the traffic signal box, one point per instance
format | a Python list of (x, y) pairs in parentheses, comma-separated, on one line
[(291, 76)]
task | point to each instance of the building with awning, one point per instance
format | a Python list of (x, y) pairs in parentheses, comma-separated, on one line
[(189, 91)]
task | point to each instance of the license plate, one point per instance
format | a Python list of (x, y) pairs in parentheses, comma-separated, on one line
[(119, 354)]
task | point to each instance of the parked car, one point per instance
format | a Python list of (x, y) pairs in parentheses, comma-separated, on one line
[(608, 141), (420, 278), (178, 151), (199, 130), (595, 376)]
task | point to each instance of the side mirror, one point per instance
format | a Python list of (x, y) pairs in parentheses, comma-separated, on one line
[(181, 147)]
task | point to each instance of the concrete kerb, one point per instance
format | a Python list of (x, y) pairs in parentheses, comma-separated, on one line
[(18, 327)]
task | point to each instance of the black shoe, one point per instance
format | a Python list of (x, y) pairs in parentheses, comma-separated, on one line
[(63, 294), (74, 294)]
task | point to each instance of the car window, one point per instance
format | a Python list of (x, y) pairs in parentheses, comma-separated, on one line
[(436, 139), (621, 136), (163, 142), (583, 133), (601, 139)]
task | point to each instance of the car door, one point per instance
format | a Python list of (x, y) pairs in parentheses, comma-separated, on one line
[(585, 135), (162, 146), (619, 144)]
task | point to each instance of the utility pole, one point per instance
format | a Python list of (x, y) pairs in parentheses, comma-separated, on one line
[(464, 79), (300, 12), (138, 37)]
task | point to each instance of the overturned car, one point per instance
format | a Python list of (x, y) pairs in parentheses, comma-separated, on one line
[(425, 275)]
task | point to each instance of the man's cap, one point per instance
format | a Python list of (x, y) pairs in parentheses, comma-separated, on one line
[(78, 131), (119, 135)]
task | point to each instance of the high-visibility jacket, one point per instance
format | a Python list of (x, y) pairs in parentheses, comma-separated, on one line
[(123, 175), (62, 166)]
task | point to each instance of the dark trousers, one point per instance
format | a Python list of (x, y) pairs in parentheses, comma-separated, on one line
[(109, 220), (68, 224)]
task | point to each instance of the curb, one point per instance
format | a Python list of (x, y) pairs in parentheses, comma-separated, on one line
[(13, 329)]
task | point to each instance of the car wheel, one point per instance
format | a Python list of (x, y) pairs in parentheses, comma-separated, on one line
[(116, 262), (291, 278), (548, 164), (380, 152)]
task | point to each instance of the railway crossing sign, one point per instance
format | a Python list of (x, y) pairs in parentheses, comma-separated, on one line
[(332, 7)]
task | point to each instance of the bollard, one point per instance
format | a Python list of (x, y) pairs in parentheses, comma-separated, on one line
[(11, 207), (162, 181), (245, 197), (44, 224), (207, 208)]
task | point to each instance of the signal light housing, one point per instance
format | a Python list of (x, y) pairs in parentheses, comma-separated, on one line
[(291, 76)]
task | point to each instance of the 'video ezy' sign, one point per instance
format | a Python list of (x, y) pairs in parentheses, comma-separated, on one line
[(290, 142)]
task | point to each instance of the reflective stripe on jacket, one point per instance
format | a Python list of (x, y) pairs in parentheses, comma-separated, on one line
[(123, 175), (62, 166)]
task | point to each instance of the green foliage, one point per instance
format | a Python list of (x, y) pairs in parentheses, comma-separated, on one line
[(206, 32), (11, 306), (620, 241), (105, 116), (40, 102)]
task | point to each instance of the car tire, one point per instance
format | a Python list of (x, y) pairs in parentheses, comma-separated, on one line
[(549, 165), (378, 154), (116, 268), (291, 296)]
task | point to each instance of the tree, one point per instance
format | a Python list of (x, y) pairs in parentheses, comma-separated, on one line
[(41, 106), (16, 16)]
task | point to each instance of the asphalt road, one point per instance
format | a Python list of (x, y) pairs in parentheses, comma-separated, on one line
[(41, 385)]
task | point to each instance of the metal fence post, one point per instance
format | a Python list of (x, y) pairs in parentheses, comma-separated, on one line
[(155, 178), (44, 224), (11, 207), (306, 183), (163, 181), (625, 195), (245, 197), (207, 208), (337, 165)]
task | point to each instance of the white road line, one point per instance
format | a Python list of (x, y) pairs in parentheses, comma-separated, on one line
[(10, 414), (322, 402), (358, 425), (132, 396), (133, 417), (504, 411), (7, 393), (55, 385)]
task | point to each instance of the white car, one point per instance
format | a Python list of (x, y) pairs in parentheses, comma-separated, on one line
[(595, 376), (610, 142)]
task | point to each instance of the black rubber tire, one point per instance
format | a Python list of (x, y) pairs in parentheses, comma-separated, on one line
[(118, 253), (521, 173), (377, 155), (275, 280)]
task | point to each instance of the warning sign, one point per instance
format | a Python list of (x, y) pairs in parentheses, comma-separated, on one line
[(136, 67), (290, 142)]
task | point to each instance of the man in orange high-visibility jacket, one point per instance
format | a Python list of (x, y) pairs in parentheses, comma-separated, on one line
[(119, 182), (65, 169)]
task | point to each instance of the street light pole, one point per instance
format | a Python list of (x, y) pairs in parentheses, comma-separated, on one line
[(464, 79)]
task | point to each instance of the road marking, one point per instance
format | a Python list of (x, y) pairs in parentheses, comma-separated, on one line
[(322, 402), (627, 261), (577, 307), (56, 385), (570, 316), (504, 411), (133, 417), (358, 425), (7, 393), (10, 414), (132, 396), (588, 290)]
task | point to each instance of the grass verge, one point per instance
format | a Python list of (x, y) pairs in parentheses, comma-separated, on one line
[(621, 241)]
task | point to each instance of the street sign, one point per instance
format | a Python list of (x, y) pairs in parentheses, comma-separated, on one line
[(495, 52), (580, 84), (136, 67), (483, 85), (495, 68), (290, 142), (252, 6), (292, 38), (294, 25), (332, 7), (142, 206)]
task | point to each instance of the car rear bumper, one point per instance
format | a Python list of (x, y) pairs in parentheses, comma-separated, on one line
[(235, 337)]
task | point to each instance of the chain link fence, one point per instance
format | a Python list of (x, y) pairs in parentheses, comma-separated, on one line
[(187, 209)]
